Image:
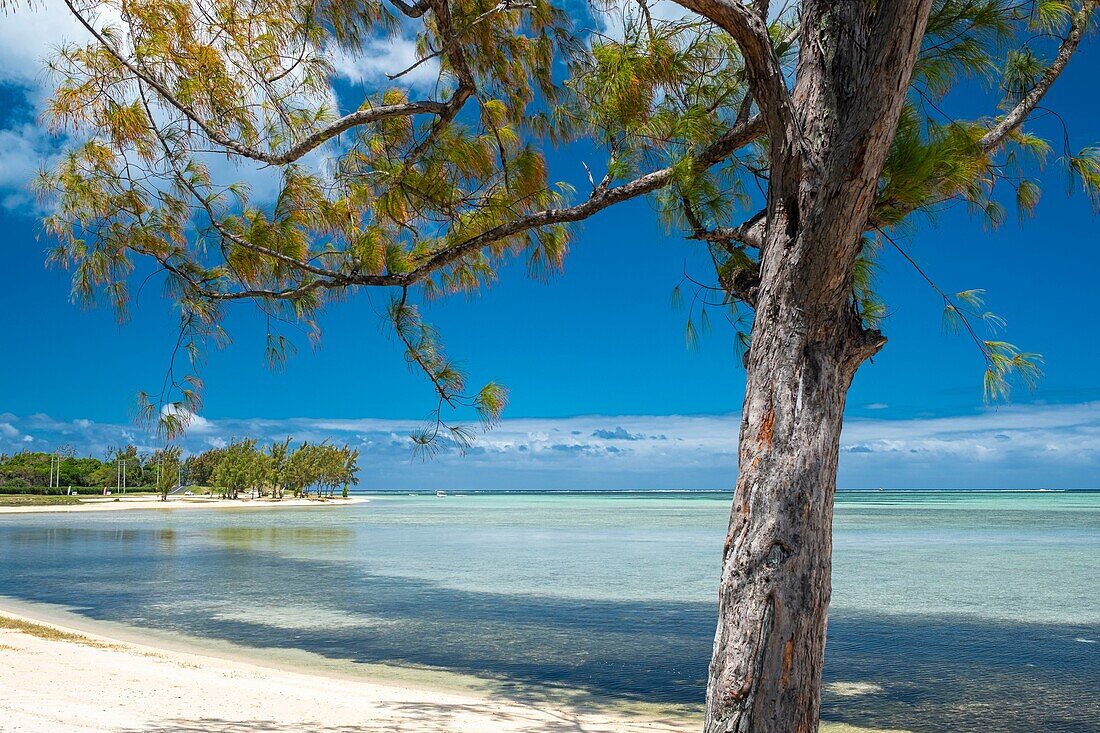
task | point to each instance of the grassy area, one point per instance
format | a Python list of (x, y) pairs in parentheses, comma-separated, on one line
[(36, 500), (49, 632)]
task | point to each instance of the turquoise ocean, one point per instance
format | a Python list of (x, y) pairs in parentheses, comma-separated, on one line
[(952, 612)]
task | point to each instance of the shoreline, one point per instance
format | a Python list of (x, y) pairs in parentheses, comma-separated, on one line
[(122, 504), (120, 678), (280, 659), (125, 679)]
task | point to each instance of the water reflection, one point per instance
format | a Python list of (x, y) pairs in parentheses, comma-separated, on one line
[(269, 537), (398, 585)]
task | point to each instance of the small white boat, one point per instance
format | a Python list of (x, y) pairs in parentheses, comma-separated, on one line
[(441, 492)]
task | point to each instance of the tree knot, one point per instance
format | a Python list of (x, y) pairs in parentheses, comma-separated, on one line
[(777, 555)]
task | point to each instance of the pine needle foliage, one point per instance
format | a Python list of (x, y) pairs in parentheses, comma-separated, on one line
[(424, 189)]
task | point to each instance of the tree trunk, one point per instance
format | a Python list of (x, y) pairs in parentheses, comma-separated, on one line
[(774, 594), (827, 145)]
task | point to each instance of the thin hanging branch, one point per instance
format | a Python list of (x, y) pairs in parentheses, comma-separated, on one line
[(1002, 359)]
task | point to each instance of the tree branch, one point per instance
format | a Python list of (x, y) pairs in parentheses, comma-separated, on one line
[(602, 197), (412, 11), (750, 233), (1018, 114), (311, 142), (362, 117), (765, 73)]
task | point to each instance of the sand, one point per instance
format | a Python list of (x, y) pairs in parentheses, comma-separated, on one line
[(108, 504), (60, 680), (64, 673)]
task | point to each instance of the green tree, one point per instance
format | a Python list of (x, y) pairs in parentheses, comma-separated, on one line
[(104, 476), (200, 468), (310, 466), (278, 457), (334, 467), (165, 467), (37, 468), (329, 464), (300, 472), (128, 465), (14, 471), (242, 468), (76, 471), (830, 109), (348, 471)]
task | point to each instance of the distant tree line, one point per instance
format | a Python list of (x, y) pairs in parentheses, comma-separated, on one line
[(277, 469), (63, 468), (274, 470)]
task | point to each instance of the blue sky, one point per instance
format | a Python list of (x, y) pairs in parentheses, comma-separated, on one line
[(594, 350)]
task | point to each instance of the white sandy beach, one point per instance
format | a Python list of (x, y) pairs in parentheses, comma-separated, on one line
[(86, 682), (108, 504), (85, 676)]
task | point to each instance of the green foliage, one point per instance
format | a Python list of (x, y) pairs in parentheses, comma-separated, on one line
[(199, 469), (149, 95), (1084, 169), (242, 467), (490, 403), (33, 469), (962, 41), (1051, 15), (278, 457), (930, 163), (321, 466), (870, 307), (935, 160), (1006, 361), (165, 468), (17, 489), (430, 194)]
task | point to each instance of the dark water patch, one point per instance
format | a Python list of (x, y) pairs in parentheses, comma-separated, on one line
[(920, 673), (959, 674)]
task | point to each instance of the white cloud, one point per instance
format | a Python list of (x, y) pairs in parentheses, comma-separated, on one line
[(24, 150), (21, 150), (28, 36), (1015, 447), (383, 56)]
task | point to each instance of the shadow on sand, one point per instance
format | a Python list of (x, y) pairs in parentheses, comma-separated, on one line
[(407, 718)]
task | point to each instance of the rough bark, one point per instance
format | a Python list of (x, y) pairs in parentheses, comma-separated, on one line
[(854, 68), (774, 596)]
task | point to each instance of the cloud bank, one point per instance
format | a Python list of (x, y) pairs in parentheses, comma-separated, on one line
[(1013, 447)]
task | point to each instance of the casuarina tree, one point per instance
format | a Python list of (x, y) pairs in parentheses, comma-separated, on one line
[(825, 116)]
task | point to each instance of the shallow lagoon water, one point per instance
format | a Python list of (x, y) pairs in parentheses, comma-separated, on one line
[(952, 611)]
